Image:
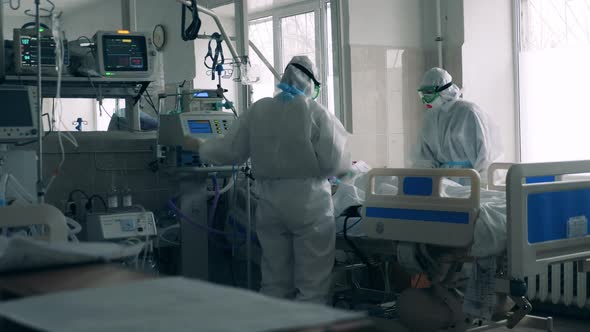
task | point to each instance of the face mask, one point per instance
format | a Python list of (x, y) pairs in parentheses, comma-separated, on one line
[(434, 104)]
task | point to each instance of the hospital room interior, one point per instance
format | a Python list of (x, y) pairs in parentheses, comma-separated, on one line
[(294, 165)]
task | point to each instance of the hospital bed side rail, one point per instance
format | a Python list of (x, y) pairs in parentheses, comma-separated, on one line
[(418, 213), (494, 174), (547, 221)]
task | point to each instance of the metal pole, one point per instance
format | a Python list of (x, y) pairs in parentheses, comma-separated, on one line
[(439, 38), (248, 237), (241, 10), (40, 185), (274, 72)]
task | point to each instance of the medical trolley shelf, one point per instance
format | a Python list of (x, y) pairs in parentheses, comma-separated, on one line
[(85, 87)]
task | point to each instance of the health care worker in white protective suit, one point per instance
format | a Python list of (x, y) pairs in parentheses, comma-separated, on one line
[(294, 144), (455, 133)]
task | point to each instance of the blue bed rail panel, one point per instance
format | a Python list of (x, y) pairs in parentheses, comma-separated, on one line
[(418, 215), (418, 186), (540, 179), (549, 213)]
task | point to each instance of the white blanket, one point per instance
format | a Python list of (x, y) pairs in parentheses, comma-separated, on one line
[(490, 234), (20, 253)]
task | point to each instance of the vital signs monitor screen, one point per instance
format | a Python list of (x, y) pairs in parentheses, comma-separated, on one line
[(125, 53), (200, 127)]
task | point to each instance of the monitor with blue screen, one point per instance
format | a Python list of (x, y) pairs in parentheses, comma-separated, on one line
[(200, 127)]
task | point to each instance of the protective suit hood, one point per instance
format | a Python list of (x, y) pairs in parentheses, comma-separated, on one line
[(298, 79), (439, 79)]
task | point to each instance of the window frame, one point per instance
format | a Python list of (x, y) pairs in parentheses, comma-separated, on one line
[(318, 7)]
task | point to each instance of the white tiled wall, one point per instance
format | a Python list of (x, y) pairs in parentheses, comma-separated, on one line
[(385, 106)]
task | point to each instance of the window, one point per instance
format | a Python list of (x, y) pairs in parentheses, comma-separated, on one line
[(82, 114), (553, 55), (297, 30), (298, 37), (261, 35)]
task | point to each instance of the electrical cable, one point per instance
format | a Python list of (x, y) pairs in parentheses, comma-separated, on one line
[(105, 110), (216, 62), (150, 101), (192, 31), (352, 226), (215, 201), (184, 217), (173, 206), (14, 7), (104, 203), (71, 194), (360, 254)]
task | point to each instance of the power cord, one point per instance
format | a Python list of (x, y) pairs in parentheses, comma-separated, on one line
[(89, 206), (192, 32), (353, 212), (217, 59), (71, 208)]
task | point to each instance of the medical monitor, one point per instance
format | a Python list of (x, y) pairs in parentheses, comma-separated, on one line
[(26, 48), (174, 128), (17, 113), (124, 54)]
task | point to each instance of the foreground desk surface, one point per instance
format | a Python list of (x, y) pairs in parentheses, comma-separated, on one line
[(104, 275), (67, 278)]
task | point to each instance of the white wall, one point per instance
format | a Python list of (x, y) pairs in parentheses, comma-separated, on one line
[(385, 22), (178, 55), (98, 15), (452, 24), (488, 66), (387, 59)]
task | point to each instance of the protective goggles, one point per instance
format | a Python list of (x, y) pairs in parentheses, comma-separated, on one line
[(316, 83), (428, 94)]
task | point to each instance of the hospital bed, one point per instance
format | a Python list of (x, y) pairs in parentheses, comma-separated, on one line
[(546, 223)]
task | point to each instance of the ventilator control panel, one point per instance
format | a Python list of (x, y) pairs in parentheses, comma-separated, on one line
[(206, 125), (118, 226)]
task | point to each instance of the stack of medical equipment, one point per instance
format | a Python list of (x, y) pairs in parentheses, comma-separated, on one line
[(25, 45), (174, 128), (17, 112), (117, 54), (116, 226), (203, 100)]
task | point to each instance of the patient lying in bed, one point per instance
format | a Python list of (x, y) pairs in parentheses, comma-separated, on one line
[(490, 229)]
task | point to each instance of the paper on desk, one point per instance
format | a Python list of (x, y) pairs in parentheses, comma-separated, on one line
[(167, 304), (19, 253)]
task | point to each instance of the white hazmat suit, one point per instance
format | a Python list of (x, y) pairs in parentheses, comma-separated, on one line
[(455, 133), (294, 144)]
